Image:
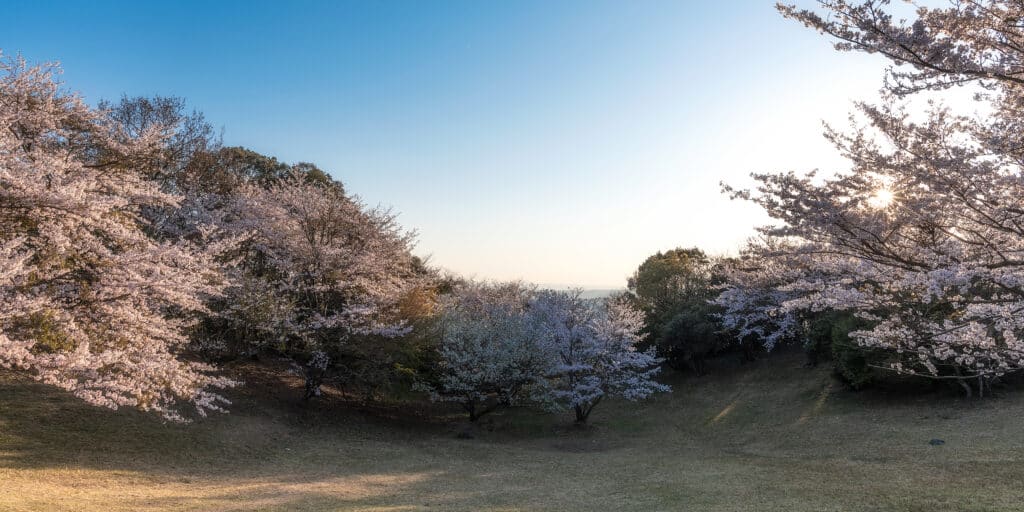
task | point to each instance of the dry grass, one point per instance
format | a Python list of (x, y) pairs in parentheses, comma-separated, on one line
[(771, 437)]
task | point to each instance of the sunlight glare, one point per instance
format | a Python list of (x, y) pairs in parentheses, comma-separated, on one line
[(882, 198)]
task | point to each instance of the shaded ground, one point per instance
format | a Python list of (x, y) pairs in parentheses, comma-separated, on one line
[(773, 436)]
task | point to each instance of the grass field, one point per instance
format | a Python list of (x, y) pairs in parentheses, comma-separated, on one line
[(770, 436)]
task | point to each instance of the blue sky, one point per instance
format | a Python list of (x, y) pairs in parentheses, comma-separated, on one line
[(557, 142)]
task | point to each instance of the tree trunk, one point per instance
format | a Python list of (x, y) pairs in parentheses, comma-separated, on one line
[(583, 411), (313, 382), (966, 387), (476, 412), (581, 414), (470, 407)]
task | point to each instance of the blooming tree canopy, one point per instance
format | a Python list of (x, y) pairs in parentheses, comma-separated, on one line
[(318, 268), (592, 351), (755, 291), (488, 353), (91, 302), (923, 237)]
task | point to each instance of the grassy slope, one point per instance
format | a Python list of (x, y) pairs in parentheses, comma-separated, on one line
[(771, 437)]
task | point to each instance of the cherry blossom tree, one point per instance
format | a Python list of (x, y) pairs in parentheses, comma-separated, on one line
[(488, 354), (319, 269), (592, 351), (504, 344), (314, 275), (92, 303), (750, 302), (923, 238)]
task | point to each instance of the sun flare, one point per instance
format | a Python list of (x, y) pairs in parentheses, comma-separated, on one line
[(882, 198)]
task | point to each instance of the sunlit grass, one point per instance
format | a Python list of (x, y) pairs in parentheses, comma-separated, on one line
[(796, 443), (725, 411)]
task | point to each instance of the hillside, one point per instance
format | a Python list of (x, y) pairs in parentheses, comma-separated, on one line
[(771, 436)]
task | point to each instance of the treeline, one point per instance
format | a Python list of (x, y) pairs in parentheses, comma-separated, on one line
[(137, 252)]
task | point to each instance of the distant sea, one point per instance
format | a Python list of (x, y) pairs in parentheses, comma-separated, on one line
[(600, 294), (589, 293)]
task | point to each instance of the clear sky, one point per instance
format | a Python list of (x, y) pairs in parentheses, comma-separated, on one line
[(559, 142)]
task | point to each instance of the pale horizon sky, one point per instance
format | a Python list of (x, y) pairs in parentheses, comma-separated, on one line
[(557, 142)]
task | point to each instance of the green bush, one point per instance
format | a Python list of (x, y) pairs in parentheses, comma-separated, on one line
[(851, 361), (828, 337), (690, 337)]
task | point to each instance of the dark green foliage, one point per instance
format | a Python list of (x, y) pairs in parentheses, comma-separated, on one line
[(818, 337), (223, 170), (46, 331), (247, 165), (690, 337), (852, 363), (673, 289), (828, 336), (666, 283)]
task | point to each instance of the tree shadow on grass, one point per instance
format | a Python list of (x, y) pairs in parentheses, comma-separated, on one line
[(265, 455), (269, 453), (41, 427), (268, 424)]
